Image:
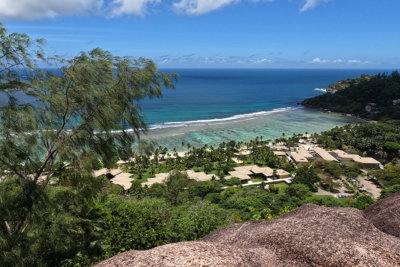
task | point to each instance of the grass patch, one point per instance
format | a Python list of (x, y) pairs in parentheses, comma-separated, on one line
[(257, 180)]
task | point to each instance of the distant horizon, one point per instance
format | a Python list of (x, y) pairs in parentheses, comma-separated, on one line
[(253, 68)]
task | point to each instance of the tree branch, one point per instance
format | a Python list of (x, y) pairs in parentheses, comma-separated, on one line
[(14, 169), (8, 228)]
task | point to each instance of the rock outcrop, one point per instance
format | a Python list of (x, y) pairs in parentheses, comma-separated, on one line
[(309, 236), (385, 214)]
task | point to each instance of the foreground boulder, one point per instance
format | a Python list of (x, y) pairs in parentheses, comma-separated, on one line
[(193, 254), (385, 214), (309, 236)]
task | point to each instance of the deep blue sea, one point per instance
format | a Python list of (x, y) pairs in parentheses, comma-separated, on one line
[(210, 106), (207, 94)]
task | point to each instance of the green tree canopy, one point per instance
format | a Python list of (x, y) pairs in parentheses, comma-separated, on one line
[(18, 52), (87, 112), (307, 175)]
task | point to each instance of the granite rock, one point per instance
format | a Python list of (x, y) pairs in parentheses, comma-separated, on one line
[(308, 236)]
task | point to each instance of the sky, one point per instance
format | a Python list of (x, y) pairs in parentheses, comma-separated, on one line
[(361, 34)]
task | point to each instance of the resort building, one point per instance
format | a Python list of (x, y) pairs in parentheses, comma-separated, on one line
[(305, 153), (199, 176), (343, 156), (282, 174), (246, 173), (367, 162), (242, 175), (158, 179), (364, 162), (324, 154), (123, 179), (255, 170), (298, 159), (301, 156)]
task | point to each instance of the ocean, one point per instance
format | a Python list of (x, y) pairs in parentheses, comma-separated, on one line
[(210, 106)]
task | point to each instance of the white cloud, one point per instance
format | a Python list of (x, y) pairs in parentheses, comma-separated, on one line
[(196, 60), (260, 61), (357, 61), (130, 7), (318, 60), (36, 9), (199, 7), (310, 4), (338, 60)]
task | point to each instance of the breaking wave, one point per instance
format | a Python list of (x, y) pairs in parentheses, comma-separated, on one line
[(219, 120)]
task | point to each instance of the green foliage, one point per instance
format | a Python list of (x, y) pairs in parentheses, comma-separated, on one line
[(201, 189), (298, 190), (64, 221), (327, 201), (387, 191), (53, 212), (392, 147), (263, 155), (176, 187), (371, 138), (194, 221), (306, 175), (381, 90), (14, 84), (80, 118), (362, 202), (233, 181), (17, 52), (390, 175), (136, 225), (137, 190)]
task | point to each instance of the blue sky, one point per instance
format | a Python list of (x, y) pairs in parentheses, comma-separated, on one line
[(218, 33)]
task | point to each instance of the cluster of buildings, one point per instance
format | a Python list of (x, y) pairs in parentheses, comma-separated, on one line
[(246, 173), (116, 176), (301, 156), (304, 153)]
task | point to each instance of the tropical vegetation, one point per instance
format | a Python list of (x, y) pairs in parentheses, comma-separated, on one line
[(54, 212)]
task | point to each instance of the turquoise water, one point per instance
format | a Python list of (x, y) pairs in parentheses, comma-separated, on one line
[(210, 106), (269, 127)]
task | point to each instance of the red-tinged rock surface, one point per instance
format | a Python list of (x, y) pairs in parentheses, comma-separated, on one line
[(385, 214), (309, 236), (193, 254)]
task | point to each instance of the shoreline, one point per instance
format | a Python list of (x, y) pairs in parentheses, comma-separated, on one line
[(348, 115), (271, 126)]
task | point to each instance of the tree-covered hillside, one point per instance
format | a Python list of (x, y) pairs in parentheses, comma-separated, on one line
[(372, 97)]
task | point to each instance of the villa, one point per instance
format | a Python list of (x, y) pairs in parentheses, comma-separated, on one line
[(364, 162), (324, 154), (298, 158)]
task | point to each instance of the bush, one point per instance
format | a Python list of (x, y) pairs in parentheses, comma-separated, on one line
[(136, 225), (362, 202), (201, 189), (176, 187), (194, 221), (233, 181), (297, 190), (307, 175), (387, 191)]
